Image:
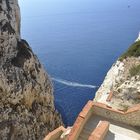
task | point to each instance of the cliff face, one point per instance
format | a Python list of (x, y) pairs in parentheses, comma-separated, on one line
[(123, 80), (26, 94)]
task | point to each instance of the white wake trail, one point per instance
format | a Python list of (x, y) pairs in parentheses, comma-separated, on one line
[(73, 84)]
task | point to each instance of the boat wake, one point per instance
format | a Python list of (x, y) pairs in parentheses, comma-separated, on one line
[(73, 84)]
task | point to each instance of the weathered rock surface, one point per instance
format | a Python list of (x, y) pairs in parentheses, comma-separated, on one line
[(125, 87), (26, 95)]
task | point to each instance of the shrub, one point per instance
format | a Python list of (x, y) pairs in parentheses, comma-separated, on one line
[(133, 50), (125, 107)]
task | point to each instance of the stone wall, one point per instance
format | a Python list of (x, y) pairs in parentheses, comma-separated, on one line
[(130, 117), (55, 135), (81, 121)]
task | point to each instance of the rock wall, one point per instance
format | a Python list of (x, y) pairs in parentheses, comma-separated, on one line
[(26, 95), (114, 76), (130, 117), (124, 86)]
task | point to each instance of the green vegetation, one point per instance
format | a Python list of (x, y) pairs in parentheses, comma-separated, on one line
[(125, 107), (135, 70), (133, 50)]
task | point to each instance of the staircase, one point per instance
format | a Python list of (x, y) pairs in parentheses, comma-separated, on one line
[(88, 128)]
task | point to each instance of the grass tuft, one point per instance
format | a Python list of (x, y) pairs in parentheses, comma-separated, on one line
[(133, 50), (135, 70)]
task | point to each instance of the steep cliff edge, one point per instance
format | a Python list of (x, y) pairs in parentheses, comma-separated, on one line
[(26, 95), (123, 80)]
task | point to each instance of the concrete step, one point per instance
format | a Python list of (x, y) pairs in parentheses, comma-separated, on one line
[(91, 124), (89, 127), (80, 138), (87, 130), (83, 137), (85, 134)]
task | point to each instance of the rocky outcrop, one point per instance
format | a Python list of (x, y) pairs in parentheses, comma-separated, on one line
[(26, 95), (113, 75), (123, 80)]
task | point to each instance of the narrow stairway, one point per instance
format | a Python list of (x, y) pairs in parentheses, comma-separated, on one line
[(88, 128)]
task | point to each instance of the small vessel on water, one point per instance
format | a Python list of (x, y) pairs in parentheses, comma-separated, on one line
[(138, 37)]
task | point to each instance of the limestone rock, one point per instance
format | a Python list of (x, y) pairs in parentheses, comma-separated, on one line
[(113, 77), (26, 94), (125, 88)]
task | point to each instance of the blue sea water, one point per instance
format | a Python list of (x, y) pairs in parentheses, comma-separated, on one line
[(78, 41)]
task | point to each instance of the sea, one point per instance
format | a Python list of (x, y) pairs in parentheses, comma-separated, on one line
[(77, 41)]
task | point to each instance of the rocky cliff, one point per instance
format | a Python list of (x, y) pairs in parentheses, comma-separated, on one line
[(26, 95), (123, 80)]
